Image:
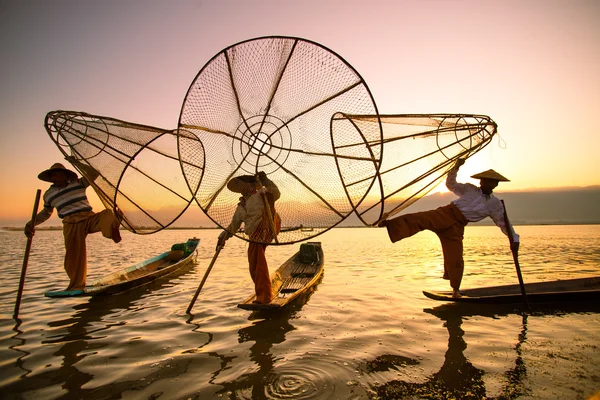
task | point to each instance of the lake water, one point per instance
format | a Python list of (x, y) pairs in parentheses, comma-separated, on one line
[(367, 331)]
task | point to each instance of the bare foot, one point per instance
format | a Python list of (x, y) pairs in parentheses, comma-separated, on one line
[(115, 234), (456, 294)]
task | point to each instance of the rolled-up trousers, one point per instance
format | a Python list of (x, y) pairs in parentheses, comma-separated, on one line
[(448, 223), (76, 227)]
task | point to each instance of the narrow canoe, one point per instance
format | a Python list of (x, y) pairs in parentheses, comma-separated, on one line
[(180, 255), (580, 289), (293, 278)]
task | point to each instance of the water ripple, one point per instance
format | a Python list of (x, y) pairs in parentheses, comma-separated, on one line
[(311, 379), (366, 326)]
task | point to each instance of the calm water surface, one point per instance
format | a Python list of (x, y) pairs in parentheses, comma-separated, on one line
[(367, 331)]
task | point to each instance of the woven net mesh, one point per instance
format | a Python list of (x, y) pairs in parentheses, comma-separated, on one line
[(140, 172), (267, 105), (418, 151), (284, 106)]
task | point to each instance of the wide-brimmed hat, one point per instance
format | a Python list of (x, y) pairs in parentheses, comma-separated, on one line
[(242, 183), (45, 175), (490, 174)]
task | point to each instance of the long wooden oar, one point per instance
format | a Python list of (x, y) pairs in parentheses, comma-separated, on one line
[(26, 257), (515, 254), (189, 309)]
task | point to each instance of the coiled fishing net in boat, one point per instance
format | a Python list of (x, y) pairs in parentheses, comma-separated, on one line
[(139, 166), (417, 151), (266, 105)]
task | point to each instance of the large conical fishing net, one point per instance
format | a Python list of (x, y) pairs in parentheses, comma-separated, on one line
[(418, 151), (139, 167), (284, 106), (267, 105)]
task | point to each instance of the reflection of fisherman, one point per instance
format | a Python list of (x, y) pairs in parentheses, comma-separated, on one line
[(259, 223), (67, 195), (448, 222)]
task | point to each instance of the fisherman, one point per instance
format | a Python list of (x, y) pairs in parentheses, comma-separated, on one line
[(256, 210), (448, 222), (67, 195)]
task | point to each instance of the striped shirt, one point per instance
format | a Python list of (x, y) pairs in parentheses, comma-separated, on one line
[(475, 205), (68, 200)]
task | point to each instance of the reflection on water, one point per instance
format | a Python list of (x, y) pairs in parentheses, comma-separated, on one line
[(80, 335), (19, 342), (263, 334), (458, 377), (269, 328), (387, 362), (365, 332)]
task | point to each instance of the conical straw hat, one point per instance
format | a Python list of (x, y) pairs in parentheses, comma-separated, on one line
[(45, 175), (242, 183), (490, 174)]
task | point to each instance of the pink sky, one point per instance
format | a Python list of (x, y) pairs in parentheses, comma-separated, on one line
[(530, 65)]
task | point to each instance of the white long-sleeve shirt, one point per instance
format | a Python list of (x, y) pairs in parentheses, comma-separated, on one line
[(475, 205)]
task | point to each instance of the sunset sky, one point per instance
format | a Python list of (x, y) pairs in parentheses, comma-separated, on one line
[(532, 66)]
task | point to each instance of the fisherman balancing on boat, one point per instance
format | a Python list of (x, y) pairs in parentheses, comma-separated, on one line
[(67, 195), (256, 209), (448, 222)]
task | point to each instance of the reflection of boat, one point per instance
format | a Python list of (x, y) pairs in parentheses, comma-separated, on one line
[(295, 277), (85, 333), (580, 289), (181, 254), (268, 328), (458, 377)]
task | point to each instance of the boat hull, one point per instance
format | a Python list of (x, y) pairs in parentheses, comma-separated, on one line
[(292, 280), (138, 274), (569, 290)]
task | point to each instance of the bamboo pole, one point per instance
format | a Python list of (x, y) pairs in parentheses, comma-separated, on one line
[(26, 257), (515, 254), (269, 212), (189, 309)]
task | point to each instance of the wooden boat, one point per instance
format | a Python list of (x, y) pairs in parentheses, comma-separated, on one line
[(180, 255), (293, 278), (580, 289)]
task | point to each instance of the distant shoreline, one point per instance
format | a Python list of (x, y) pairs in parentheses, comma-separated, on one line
[(59, 228)]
